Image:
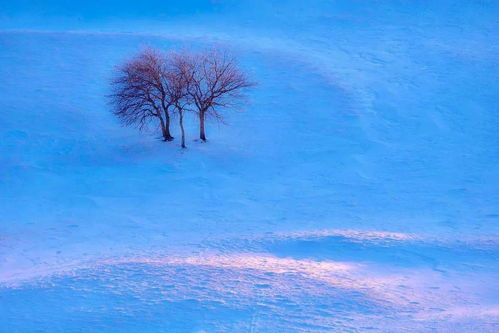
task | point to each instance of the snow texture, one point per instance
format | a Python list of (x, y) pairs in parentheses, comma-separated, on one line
[(358, 192)]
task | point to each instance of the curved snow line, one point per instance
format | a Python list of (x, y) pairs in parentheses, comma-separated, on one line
[(326, 274), (353, 234), (261, 262), (322, 62)]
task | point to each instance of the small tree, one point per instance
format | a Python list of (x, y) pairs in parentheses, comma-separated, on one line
[(139, 92), (179, 78), (152, 86), (216, 82)]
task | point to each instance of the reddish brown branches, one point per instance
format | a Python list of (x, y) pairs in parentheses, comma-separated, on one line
[(153, 86), (139, 92), (216, 83)]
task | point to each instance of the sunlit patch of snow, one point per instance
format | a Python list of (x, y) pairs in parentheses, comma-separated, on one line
[(277, 291), (398, 289), (254, 261), (395, 288), (305, 295), (357, 235), (378, 117)]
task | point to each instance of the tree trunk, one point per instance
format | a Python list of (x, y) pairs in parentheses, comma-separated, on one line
[(167, 135), (202, 134), (181, 122), (165, 127)]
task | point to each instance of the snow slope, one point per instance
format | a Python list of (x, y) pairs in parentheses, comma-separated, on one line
[(359, 190)]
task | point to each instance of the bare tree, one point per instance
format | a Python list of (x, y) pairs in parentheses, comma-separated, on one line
[(179, 78), (139, 92), (216, 82), (153, 86)]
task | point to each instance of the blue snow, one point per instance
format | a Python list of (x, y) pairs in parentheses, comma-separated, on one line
[(358, 191)]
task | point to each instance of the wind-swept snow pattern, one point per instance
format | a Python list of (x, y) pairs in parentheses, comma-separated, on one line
[(358, 192)]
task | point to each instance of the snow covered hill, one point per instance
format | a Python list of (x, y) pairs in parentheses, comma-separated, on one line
[(359, 190)]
